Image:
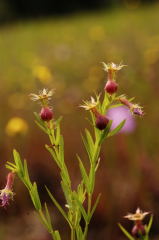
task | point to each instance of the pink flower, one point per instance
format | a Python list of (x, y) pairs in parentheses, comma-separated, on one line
[(118, 114)]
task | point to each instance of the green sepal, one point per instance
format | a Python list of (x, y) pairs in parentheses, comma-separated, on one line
[(57, 205)]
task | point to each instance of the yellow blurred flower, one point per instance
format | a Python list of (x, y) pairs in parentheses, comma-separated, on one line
[(42, 73), (16, 125)]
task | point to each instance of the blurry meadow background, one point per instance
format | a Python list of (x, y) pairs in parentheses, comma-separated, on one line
[(65, 53)]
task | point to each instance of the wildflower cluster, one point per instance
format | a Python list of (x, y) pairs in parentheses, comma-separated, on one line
[(78, 202)]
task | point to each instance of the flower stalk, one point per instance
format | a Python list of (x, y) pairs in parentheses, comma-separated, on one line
[(74, 210)]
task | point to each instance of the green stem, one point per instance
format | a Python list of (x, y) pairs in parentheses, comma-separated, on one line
[(52, 235), (88, 214), (72, 233)]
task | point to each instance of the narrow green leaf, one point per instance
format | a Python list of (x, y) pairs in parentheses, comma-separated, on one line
[(48, 217), (53, 154), (82, 210), (81, 191), (91, 179), (57, 205), (127, 234), (11, 166), (148, 227), (84, 174), (61, 149), (117, 129), (38, 118), (26, 175), (18, 161), (89, 139), (59, 120), (87, 147), (94, 207), (105, 103), (40, 122), (58, 135), (35, 196), (41, 127), (42, 217)]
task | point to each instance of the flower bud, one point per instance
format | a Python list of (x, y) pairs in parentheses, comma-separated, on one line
[(111, 86), (101, 122), (10, 180), (46, 114), (138, 230)]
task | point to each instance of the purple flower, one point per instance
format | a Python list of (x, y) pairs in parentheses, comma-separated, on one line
[(138, 111), (118, 114), (5, 197), (7, 194)]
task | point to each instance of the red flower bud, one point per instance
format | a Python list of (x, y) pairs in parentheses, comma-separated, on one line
[(111, 86), (46, 114), (101, 122), (138, 230)]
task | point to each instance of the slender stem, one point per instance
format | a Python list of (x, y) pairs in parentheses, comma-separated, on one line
[(72, 233), (52, 235), (88, 214)]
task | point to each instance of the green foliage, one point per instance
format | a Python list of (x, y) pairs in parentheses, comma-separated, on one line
[(21, 169), (74, 199)]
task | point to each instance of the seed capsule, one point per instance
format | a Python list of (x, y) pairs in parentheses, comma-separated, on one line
[(46, 114), (111, 86), (101, 122)]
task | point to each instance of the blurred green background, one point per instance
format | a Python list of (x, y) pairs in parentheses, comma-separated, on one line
[(65, 53)]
